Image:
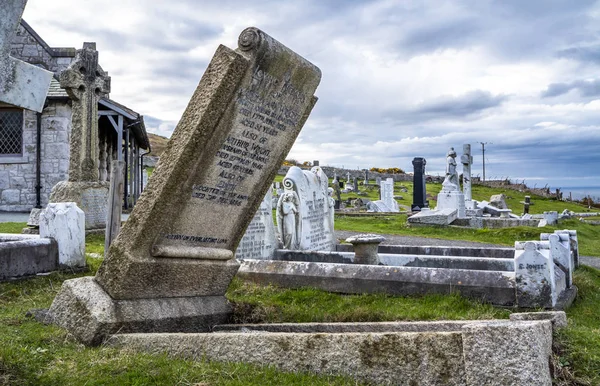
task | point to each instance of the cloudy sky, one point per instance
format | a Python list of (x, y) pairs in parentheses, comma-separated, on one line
[(401, 78)]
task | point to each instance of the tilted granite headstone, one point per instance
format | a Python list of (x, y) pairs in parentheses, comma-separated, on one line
[(86, 83), (169, 267), (419, 189), (314, 230), (260, 240), (21, 84)]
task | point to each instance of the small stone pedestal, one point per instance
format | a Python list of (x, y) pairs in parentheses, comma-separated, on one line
[(365, 248)]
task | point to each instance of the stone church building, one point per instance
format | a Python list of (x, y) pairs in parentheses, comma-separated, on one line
[(35, 147)]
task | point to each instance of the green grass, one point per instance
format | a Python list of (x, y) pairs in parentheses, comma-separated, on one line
[(34, 354), (268, 304), (12, 227), (580, 342)]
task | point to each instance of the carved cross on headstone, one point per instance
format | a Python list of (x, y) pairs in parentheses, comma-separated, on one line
[(21, 84), (86, 83)]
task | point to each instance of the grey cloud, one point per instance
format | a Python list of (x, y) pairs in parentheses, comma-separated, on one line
[(460, 106), (587, 88), (589, 53)]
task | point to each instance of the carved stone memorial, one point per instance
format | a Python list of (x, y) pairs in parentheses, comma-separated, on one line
[(86, 83), (169, 267), (260, 239), (21, 84), (311, 228), (419, 188)]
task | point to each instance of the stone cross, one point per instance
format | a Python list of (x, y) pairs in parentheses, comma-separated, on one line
[(86, 83), (467, 160), (21, 84)]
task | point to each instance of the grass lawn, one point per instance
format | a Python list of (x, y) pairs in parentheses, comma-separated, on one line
[(34, 354)]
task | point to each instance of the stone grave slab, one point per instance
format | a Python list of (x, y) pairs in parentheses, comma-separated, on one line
[(21, 84), (170, 265)]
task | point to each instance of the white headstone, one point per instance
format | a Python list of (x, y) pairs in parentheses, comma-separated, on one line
[(387, 194), (535, 275), (21, 84), (314, 229), (65, 222), (259, 241)]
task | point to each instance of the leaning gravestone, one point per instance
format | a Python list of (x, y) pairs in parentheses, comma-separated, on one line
[(21, 84), (260, 240), (86, 83), (173, 260), (311, 229)]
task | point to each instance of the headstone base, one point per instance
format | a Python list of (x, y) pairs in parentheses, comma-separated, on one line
[(433, 217), (90, 196), (452, 200), (89, 313)]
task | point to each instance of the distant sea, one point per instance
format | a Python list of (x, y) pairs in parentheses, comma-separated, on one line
[(579, 192)]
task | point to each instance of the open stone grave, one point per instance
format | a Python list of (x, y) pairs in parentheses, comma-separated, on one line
[(161, 286)]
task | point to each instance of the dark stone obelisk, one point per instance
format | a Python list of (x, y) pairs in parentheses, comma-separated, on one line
[(419, 191)]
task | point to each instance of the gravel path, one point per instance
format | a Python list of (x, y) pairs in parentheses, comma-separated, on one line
[(415, 240)]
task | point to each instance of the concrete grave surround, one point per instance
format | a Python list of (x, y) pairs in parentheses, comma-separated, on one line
[(172, 262), (471, 353), (65, 223), (86, 83), (315, 230), (21, 84), (260, 240)]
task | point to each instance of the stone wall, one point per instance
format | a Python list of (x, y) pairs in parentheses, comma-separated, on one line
[(18, 178), (29, 49), (360, 174)]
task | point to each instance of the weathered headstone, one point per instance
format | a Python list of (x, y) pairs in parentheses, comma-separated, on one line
[(259, 241), (467, 160), (86, 83), (144, 179), (65, 223), (378, 181), (419, 190), (387, 194), (115, 203), (21, 84), (366, 181), (348, 181), (173, 260), (314, 230), (356, 184), (535, 275)]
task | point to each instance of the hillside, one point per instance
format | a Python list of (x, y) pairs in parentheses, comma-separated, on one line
[(158, 144)]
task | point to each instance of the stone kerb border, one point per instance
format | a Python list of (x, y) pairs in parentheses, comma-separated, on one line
[(427, 353), (534, 274)]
